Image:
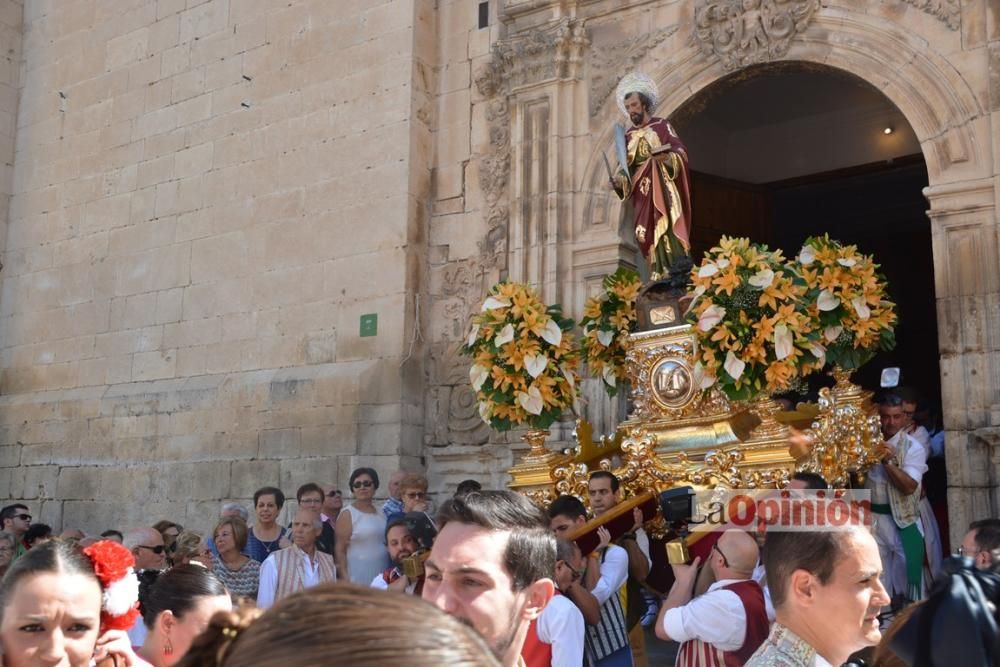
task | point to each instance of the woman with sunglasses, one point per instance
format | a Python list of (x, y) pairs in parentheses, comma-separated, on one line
[(360, 549)]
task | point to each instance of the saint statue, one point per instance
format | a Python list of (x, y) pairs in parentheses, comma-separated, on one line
[(653, 175)]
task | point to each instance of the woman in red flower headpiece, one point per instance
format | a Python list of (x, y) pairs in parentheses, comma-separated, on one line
[(60, 604)]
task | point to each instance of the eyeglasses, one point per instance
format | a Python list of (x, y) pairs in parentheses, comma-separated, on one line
[(416, 495), (158, 549), (576, 573), (334, 493), (23, 517), (310, 501), (363, 484), (960, 552), (725, 561)]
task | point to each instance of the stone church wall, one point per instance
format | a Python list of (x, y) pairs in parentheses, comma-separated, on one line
[(206, 198)]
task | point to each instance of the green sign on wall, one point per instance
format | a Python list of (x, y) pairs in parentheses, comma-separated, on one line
[(369, 325)]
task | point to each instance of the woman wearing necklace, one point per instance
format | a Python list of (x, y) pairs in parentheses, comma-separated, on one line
[(266, 536), (360, 546)]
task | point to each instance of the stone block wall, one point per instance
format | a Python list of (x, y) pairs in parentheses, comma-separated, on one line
[(207, 196)]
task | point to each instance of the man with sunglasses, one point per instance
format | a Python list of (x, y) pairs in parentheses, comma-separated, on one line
[(556, 637), (16, 521), (333, 502), (146, 545), (727, 623)]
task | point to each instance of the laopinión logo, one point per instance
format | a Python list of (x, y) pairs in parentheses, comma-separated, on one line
[(762, 510)]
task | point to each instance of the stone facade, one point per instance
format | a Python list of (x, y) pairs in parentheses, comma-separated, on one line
[(207, 195)]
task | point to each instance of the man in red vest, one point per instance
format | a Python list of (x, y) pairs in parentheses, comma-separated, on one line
[(725, 625)]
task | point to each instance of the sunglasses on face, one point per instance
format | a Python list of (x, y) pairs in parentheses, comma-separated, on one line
[(416, 495), (333, 494), (23, 517), (363, 485), (158, 549)]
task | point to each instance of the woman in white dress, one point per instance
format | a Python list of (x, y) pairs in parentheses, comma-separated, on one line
[(360, 545)]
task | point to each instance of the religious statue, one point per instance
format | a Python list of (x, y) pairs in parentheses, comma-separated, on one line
[(653, 174)]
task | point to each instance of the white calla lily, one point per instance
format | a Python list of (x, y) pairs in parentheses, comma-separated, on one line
[(827, 300), (861, 307), (505, 336), (708, 270), (762, 279), (484, 411), (568, 374), (478, 375), (605, 338), (712, 316), (552, 333), (783, 341), (492, 303), (831, 333), (535, 364), (734, 365), (473, 334), (807, 255), (531, 401), (723, 263), (609, 376), (818, 351), (847, 261), (702, 380)]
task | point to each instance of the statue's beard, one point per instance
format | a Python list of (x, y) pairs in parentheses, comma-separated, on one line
[(636, 118)]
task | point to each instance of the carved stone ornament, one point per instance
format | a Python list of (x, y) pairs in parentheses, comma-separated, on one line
[(746, 32), (948, 11), (608, 64)]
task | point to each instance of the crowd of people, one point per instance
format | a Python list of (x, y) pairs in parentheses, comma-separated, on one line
[(487, 579)]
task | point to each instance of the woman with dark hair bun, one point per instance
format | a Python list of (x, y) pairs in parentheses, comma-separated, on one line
[(360, 545), (340, 624), (176, 607)]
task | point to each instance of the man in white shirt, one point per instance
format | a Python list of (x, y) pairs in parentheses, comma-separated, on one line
[(297, 567), (895, 487), (727, 623), (560, 627)]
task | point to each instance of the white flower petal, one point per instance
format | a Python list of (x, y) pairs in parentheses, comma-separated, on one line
[(478, 375), (818, 351), (552, 333), (831, 333), (568, 374), (531, 401), (505, 336), (861, 307), (847, 261), (723, 263), (762, 278), (712, 316), (827, 300), (702, 380), (609, 376), (807, 255), (535, 364), (708, 270), (121, 595), (473, 334), (493, 303), (605, 338), (484, 411), (734, 365), (782, 342)]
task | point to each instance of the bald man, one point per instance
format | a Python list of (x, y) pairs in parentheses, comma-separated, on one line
[(727, 623)]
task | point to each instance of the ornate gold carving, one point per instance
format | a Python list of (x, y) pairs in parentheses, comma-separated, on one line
[(745, 32), (533, 475), (644, 185)]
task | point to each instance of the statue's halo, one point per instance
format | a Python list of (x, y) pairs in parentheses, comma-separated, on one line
[(636, 82)]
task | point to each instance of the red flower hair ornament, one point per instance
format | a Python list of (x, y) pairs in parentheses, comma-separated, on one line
[(114, 567)]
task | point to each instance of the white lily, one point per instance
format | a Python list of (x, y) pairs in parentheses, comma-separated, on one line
[(818, 351), (552, 333), (493, 303), (701, 379), (762, 279), (847, 261), (531, 400), (827, 300), (473, 334), (484, 411), (478, 375), (708, 270), (701, 289), (861, 307), (535, 364), (505, 336), (734, 365), (712, 316), (783, 341), (605, 338), (609, 376), (831, 333), (807, 255), (723, 263)]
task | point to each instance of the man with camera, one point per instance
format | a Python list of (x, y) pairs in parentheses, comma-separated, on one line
[(401, 545)]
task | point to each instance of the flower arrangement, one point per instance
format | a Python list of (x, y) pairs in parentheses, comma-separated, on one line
[(753, 331), (525, 362), (608, 319), (114, 568), (848, 301)]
